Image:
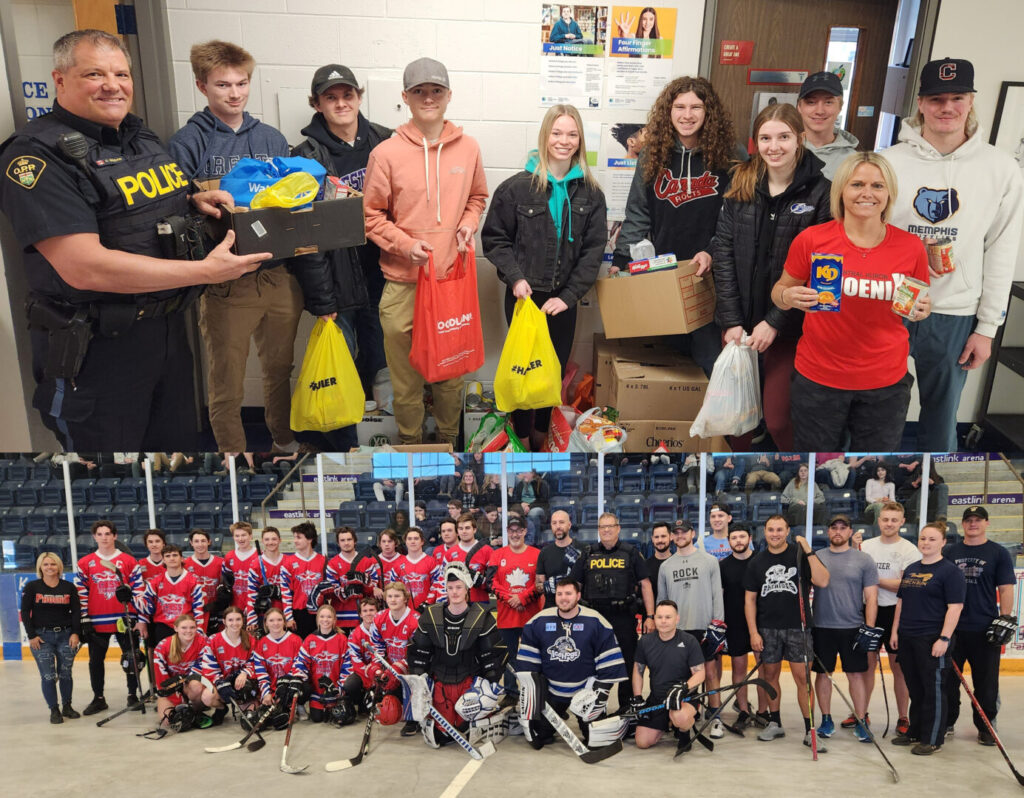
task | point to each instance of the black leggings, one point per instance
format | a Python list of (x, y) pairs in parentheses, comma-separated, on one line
[(563, 330)]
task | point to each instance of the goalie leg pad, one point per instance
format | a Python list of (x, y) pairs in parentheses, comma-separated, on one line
[(417, 697), (493, 728), (606, 731), (427, 727), (480, 700), (532, 695)]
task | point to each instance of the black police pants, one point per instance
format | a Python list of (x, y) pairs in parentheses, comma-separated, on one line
[(624, 628), (983, 657), (927, 679), (98, 643), (133, 393)]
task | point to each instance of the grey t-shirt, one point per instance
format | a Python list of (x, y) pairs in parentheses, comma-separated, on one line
[(694, 583), (841, 604)]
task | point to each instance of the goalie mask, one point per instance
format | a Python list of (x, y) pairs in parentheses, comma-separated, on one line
[(458, 571)]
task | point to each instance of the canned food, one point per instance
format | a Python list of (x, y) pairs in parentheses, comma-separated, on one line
[(906, 294), (940, 256), (827, 280), (474, 395)]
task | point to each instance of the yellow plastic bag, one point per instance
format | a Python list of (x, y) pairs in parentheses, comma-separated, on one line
[(529, 374), (329, 394), (291, 191)]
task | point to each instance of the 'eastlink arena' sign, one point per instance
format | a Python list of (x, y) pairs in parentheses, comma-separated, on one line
[(291, 515), (981, 498), (958, 457), (331, 478)]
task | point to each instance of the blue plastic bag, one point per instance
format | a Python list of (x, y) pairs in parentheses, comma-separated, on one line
[(250, 176)]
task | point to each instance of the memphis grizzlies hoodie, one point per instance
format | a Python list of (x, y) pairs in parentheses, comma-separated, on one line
[(207, 148), (974, 196)]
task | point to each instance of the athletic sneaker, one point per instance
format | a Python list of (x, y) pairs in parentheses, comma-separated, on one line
[(133, 700), (950, 730), (55, 716), (924, 749), (98, 704), (851, 721), (821, 747), (903, 725), (410, 729), (860, 731), (904, 739), (717, 730), (69, 712), (743, 720), (986, 738), (827, 727), (771, 731)]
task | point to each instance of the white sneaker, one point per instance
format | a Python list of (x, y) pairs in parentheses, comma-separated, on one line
[(771, 731), (717, 730)]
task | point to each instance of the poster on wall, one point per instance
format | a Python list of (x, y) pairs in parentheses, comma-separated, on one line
[(641, 48), (573, 41), (621, 145)]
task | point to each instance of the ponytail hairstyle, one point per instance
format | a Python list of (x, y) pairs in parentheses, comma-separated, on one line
[(176, 652), (746, 175), (243, 633)]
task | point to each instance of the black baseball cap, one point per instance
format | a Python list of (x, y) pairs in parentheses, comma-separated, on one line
[(977, 512), (822, 81), (952, 75), (332, 75), (514, 521), (840, 518)]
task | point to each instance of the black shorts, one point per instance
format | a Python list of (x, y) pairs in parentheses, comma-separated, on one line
[(886, 615), (737, 639), (658, 719), (698, 635), (830, 644)]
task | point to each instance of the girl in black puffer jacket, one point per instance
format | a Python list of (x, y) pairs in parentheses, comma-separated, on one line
[(778, 193)]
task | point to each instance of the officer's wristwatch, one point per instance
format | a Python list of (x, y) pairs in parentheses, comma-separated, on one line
[(943, 638)]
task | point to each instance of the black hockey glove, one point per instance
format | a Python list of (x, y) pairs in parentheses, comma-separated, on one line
[(869, 638), (225, 689), (124, 594), (170, 686), (1002, 630), (677, 695), (636, 703)]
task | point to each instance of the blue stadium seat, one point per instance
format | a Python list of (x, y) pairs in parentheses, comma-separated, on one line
[(867, 532), (80, 491), (19, 471), (662, 507), (689, 508), (259, 487), (909, 532), (366, 538), (137, 546), (40, 471), (28, 493), (764, 504), (59, 544), (93, 513), (364, 487), (819, 537), (176, 517), (634, 536), (609, 479), (629, 509), (179, 539), (25, 554), (206, 489), (437, 509), (589, 512), (86, 544), (122, 516), (103, 492), (664, 478), (41, 522), (632, 479), (353, 513), (569, 483), (737, 504), (842, 501), (14, 522), (7, 490), (208, 515), (178, 489), (378, 514), (52, 493), (952, 535), (131, 490)]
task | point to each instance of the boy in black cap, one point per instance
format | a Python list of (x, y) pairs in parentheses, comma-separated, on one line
[(344, 284), (819, 103), (955, 186), (981, 631)]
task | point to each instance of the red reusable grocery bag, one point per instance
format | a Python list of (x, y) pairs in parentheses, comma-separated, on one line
[(447, 337)]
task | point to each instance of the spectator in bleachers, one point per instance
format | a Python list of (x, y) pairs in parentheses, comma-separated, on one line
[(904, 466), (489, 524), (877, 492), (863, 469), (785, 464), (468, 491), (391, 490), (831, 470), (454, 509), (532, 494), (490, 491), (446, 482), (938, 495), (51, 612), (690, 474), (728, 472), (400, 524), (794, 499), (759, 472)]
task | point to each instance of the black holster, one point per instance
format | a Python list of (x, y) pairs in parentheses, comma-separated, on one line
[(69, 331), (182, 237)]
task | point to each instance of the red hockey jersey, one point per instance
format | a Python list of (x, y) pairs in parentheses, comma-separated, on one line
[(322, 656), (264, 572), (150, 570), (423, 578), (239, 568), (300, 577), (391, 638), (516, 576), (96, 585), (164, 669), (337, 574), (360, 653), (272, 659), (167, 597), (222, 659), (207, 574)]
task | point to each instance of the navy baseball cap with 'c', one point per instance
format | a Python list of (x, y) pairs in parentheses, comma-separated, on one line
[(948, 75)]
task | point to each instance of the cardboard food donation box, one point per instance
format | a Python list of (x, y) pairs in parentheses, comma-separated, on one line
[(646, 436), (325, 225), (653, 391), (608, 350), (668, 302)]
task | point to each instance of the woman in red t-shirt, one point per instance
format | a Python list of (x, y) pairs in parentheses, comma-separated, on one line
[(851, 363)]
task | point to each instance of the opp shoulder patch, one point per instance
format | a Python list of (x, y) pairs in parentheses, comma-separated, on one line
[(25, 170)]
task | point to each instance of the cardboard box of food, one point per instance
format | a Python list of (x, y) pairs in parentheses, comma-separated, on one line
[(381, 429), (646, 436), (648, 390), (607, 350), (666, 302), (325, 225)]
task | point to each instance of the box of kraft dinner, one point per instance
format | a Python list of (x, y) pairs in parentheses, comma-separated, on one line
[(827, 280), (665, 302), (323, 226)]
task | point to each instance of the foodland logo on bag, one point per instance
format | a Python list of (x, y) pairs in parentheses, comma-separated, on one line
[(455, 323), (316, 385)]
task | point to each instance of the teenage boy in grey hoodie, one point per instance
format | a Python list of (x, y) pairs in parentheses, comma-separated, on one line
[(819, 103), (955, 185), (265, 304)]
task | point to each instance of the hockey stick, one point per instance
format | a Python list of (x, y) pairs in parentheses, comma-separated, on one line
[(112, 715), (698, 696), (127, 620), (590, 756), (863, 723), (732, 689), (885, 695), (803, 644), (988, 723), (285, 767), (342, 764), (254, 730), (485, 750)]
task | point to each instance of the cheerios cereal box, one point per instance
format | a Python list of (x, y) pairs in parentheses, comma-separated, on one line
[(827, 280)]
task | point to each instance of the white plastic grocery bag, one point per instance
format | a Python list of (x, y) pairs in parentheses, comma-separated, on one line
[(732, 404)]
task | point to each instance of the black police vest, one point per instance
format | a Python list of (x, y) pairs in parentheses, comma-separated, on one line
[(130, 191), (608, 576)]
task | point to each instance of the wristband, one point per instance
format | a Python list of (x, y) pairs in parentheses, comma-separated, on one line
[(649, 616), (943, 638)]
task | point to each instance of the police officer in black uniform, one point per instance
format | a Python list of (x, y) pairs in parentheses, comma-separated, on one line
[(85, 188), (610, 573)]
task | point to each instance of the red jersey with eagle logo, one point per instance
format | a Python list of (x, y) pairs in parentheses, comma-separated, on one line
[(300, 576), (272, 659)]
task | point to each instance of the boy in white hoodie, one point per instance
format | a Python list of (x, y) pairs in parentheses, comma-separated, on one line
[(954, 185)]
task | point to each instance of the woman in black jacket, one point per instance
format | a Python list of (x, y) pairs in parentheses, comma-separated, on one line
[(779, 192), (343, 285), (545, 233)]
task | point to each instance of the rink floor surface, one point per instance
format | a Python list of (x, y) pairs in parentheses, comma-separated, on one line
[(77, 758)]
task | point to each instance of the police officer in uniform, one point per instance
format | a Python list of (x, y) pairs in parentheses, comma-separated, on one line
[(85, 188), (610, 573)]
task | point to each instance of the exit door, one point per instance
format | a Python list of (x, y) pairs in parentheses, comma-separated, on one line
[(793, 36)]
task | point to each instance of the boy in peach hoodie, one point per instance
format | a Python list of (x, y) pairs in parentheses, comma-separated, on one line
[(424, 192)]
